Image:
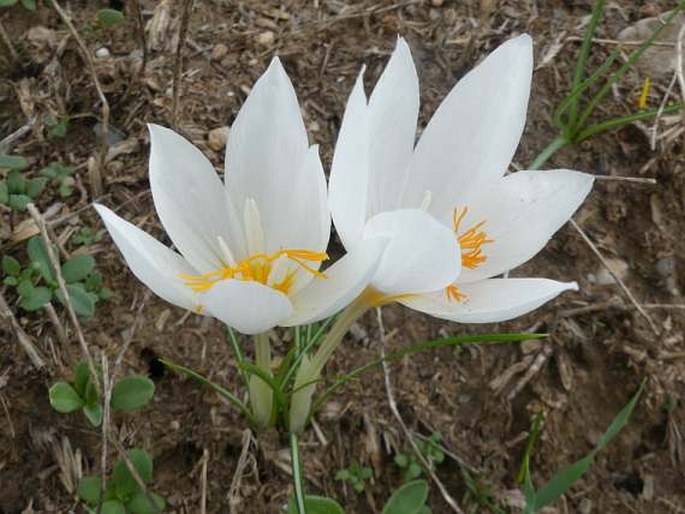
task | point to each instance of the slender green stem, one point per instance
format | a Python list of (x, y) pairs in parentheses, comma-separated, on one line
[(614, 123), (634, 56), (261, 393), (233, 340), (583, 56), (233, 399), (297, 474), (557, 144)]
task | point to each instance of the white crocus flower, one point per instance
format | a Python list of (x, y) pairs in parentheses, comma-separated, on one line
[(456, 173), (249, 251)]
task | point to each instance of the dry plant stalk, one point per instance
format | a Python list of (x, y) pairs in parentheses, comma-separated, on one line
[(22, 337), (104, 108), (40, 223), (393, 407), (178, 62)]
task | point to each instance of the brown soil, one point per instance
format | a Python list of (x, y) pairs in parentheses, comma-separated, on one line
[(599, 349)]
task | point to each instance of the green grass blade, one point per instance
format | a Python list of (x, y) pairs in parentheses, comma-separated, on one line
[(621, 420), (634, 56), (233, 340), (233, 399), (614, 123), (297, 474), (418, 348), (581, 63)]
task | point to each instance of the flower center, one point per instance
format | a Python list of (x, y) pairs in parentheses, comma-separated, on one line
[(258, 268), (471, 242)]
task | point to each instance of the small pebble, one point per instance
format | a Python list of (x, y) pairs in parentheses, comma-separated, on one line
[(102, 52), (266, 38), (217, 138), (219, 52)]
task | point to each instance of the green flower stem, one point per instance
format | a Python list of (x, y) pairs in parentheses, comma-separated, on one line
[(557, 144), (297, 474), (261, 395), (311, 367)]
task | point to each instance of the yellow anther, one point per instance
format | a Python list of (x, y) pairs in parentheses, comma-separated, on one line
[(471, 240), (644, 95), (454, 295), (257, 268)]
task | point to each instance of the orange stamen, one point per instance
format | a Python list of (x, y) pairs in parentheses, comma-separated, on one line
[(453, 294), (257, 268), (470, 241)]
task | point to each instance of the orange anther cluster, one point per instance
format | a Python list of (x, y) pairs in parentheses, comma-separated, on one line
[(257, 268)]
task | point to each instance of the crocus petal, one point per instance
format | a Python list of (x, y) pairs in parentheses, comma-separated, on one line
[(189, 199), (151, 262), (422, 254), (393, 111), (344, 281), (249, 307), (348, 185), (522, 212), (268, 160), (490, 301), (473, 135)]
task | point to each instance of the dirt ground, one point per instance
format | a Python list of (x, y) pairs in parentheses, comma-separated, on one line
[(481, 399)]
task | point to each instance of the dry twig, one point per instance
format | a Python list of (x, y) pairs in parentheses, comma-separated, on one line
[(239, 469), (618, 280), (40, 223), (22, 337), (178, 64), (104, 107), (203, 481), (393, 407)]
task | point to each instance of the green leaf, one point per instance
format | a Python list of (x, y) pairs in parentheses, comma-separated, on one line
[(35, 186), (25, 287), (77, 268), (81, 378), (29, 5), (4, 192), (89, 489), (132, 393), (19, 202), (402, 460), (7, 3), (110, 17), (93, 413), (16, 183), (12, 162), (65, 190), (93, 281), (408, 499), (105, 293), (125, 483), (316, 505), (64, 398), (562, 481), (38, 255), (35, 298), (10, 265), (10, 281), (81, 301), (149, 503), (113, 507)]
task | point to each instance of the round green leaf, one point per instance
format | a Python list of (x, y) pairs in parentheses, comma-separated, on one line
[(113, 507), (81, 378), (35, 186), (408, 499), (10, 265), (29, 4), (4, 192), (78, 268), (89, 489), (110, 17), (93, 413), (16, 184), (142, 503), (80, 299), (132, 393), (12, 162), (19, 202), (38, 255), (316, 505), (126, 485), (35, 298), (64, 398)]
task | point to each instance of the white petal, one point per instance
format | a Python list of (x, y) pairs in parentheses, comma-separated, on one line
[(268, 159), (151, 262), (522, 212), (348, 185), (473, 135), (189, 199), (249, 307), (490, 301), (422, 254), (343, 283), (393, 111)]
